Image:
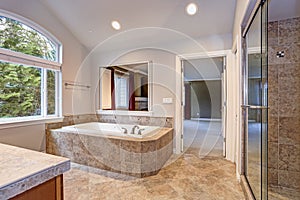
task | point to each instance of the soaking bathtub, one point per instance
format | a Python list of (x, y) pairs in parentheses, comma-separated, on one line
[(110, 129), (108, 146)]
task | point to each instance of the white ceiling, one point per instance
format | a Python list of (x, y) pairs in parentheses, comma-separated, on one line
[(90, 20), (153, 21)]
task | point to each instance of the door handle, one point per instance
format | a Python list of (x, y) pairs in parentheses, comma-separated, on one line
[(245, 106), (254, 107)]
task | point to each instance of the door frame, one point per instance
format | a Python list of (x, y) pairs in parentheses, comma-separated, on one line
[(224, 103), (179, 107)]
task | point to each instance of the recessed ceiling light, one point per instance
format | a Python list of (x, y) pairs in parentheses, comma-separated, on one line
[(191, 9), (116, 25)]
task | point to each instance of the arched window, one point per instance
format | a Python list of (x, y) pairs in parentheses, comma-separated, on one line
[(30, 70)]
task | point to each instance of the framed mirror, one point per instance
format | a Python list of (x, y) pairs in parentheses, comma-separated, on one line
[(126, 87)]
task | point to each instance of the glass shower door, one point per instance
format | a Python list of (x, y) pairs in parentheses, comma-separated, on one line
[(255, 105)]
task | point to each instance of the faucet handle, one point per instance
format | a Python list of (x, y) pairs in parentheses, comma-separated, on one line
[(133, 128), (125, 130), (140, 131)]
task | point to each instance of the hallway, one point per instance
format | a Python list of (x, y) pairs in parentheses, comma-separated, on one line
[(203, 138)]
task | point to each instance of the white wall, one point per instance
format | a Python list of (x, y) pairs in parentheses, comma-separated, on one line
[(165, 73), (162, 55), (232, 105), (31, 136), (73, 53)]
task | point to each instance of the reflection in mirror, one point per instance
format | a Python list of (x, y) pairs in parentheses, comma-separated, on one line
[(125, 87)]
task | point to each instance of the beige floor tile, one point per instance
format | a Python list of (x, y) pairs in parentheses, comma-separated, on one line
[(185, 177)]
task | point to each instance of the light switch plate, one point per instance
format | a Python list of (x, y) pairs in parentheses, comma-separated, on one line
[(167, 100)]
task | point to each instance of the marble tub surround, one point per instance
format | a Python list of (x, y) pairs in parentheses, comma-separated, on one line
[(139, 120), (79, 119), (138, 157), (22, 169), (112, 118), (71, 120), (284, 112)]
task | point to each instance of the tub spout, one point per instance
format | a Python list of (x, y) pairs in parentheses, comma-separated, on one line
[(133, 128)]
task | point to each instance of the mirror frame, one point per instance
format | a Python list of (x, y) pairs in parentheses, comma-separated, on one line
[(150, 85)]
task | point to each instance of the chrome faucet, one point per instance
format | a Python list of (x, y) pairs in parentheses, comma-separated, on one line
[(133, 128), (125, 130)]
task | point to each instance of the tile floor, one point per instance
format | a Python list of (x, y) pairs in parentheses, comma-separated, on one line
[(188, 176)]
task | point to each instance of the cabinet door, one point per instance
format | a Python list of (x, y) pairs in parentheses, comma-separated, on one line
[(50, 190)]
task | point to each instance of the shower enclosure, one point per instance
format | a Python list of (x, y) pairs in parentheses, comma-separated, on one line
[(255, 101), (271, 100)]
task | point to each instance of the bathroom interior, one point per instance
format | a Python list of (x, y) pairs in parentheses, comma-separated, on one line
[(150, 100)]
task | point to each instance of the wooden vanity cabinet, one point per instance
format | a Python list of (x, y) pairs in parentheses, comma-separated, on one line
[(49, 190)]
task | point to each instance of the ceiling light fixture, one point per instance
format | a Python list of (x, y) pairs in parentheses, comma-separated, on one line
[(116, 25), (191, 9)]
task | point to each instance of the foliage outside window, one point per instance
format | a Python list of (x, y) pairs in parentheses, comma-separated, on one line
[(20, 88), (27, 89), (18, 37)]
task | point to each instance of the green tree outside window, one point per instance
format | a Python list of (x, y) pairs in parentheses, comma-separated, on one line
[(20, 85)]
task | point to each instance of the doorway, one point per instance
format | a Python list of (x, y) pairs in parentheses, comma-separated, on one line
[(204, 85)]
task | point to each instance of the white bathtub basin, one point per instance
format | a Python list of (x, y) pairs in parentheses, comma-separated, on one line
[(112, 129)]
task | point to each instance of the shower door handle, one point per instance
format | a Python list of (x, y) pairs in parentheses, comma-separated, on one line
[(254, 107), (245, 106)]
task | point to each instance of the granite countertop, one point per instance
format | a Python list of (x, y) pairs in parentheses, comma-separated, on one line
[(22, 169)]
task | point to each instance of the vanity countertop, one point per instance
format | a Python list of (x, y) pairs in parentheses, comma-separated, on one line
[(22, 169)]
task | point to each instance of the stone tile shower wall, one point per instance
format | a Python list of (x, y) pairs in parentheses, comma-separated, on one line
[(284, 103)]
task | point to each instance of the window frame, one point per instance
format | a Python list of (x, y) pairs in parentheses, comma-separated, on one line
[(39, 29), (14, 57), (120, 106)]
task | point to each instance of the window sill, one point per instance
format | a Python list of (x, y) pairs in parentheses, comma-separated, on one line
[(27, 121)]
